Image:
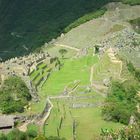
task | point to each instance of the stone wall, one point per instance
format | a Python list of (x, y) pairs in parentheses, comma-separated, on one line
[(22, 67)]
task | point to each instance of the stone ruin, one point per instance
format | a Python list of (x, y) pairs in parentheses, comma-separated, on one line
[(22, 67)]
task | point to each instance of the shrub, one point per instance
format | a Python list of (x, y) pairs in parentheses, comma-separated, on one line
[(3, 137), (16, 135), (31, 133), (133, 70), (14, 95), (121, 102)]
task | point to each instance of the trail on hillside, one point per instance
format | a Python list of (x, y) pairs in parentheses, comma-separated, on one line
[(91, 75), (66, 46)]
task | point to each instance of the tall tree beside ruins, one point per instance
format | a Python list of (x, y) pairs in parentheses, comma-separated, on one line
[(63, 52)]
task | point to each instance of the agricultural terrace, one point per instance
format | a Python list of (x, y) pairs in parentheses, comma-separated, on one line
[(71, 71), (70, 116), (42, 72)]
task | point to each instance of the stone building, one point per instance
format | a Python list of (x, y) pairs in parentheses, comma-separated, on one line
[(6, 123)]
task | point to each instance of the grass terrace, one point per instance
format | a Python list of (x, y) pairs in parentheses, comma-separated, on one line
[(63, 116), (72, 70)]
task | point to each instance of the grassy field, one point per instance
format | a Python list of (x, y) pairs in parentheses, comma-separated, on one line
[(89, 124), (89, 121), (75, 72), (73, 69)]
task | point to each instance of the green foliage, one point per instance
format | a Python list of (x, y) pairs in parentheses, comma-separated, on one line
[(31, 133), (85, 18), (62, 52), (14, 95), (131, 2), (121, 102), (16, 135), (136, 24), (34, 22), (134, 71), (129, 133), (40, 137), (55, 138), (3, 137), (97, 47)]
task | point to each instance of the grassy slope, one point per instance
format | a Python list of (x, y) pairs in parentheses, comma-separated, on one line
[(36, 21), (90, 117), (74, 69)]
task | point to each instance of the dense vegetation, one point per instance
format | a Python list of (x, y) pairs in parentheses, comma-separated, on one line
[(133, 70), (14, 95), (132, 132), (85, 18), (131, 2), (121, 102), (136, 24), (15, 134), (26, 25)]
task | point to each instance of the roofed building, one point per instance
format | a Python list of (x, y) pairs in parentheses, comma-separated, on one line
[(6, 123)]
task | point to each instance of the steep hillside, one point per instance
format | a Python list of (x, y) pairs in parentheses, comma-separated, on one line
[(25, 25)]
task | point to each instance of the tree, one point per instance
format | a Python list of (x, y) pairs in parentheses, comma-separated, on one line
[(17, 135), (121, 102), (14, 95), (97, 47), (40, 137), (63, 52), (31, 133), (131, 132)]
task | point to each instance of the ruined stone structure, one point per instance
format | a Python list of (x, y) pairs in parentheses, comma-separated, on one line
[(22, 67)]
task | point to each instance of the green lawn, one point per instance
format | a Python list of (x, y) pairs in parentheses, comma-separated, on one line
[(73, 69), (89, 121)]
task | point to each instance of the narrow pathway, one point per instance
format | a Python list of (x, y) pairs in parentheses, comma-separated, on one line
[(66, 46), (91, 75)]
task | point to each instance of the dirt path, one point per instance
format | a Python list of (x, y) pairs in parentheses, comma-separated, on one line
[(91, 75), (66, 46)]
